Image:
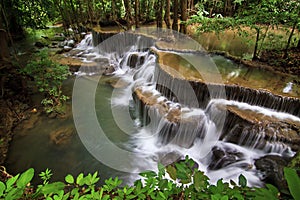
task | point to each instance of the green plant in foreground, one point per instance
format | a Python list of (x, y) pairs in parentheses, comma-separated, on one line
[(48, 77), (185, 182)]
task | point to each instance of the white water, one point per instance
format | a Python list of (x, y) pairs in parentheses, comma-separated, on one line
[(147, 139)]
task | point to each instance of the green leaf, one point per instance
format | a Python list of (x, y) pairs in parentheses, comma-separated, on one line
[(2, 188), (242, 181), (14, 193), (52, 188), (272, 189), (10, 182), (148, 174), (225, 197), (74, 191), (172, 172), (293, 181), (161, 169), (25, 178), (162, 195), (198, 181), (69, 179), (216, 197), (80, 179)]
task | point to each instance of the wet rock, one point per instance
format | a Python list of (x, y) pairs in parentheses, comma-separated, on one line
[(118, 83), (67, 48), (135, 60), (170, 158), (222, 157), (108, 70), (249, 128), (39, 44), (71, 43), (272, 167), (62, 135), (101, 61)]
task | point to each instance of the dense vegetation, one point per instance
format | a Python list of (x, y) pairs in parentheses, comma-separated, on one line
[(261, 16), (186, 182)]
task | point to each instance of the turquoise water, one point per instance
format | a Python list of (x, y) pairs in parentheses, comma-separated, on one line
[(33, 148)]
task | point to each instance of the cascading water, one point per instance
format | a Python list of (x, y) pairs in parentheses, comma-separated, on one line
[(169, 124)]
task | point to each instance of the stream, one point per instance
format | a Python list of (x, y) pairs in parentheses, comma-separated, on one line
[(131, 109)]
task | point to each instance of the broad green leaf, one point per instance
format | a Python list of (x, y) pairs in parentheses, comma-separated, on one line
[(216, 197), (74, 191), (52, 188), (161, 169), (220, 185), (14, 193), (2, 188), (242, 181), (293, 181), (225, 197), (69, 179), (272, 189), (25, 178), (10, 182), (172, 172), (198, 181), (80, 179), (162, 195)]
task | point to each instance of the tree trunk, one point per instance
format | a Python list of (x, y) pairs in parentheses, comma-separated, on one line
[(159, 13), (183, 16), (136, 12), (175, 16), (263, 39), (4, 51), (113, 10), (255, 57), (128, 13), (167, 14), (190, 7), (290, 39)]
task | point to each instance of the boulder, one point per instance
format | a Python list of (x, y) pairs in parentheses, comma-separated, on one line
[(222, 157), (271, 167)]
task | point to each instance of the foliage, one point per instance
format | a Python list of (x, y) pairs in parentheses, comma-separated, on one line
[(260, 17), (34, 14), (48, 77), (186, 182)]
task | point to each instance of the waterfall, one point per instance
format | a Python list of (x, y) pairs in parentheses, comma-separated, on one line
[(173, 115)]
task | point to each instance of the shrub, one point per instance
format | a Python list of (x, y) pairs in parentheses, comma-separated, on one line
[(48, 77), (186, 182)]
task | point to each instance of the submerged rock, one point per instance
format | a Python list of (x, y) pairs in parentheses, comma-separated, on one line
[(62, 135)]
